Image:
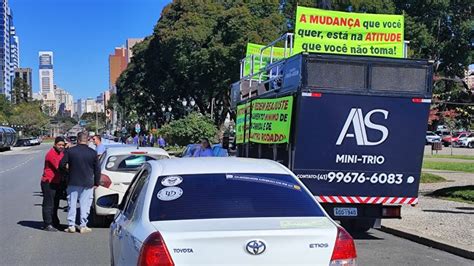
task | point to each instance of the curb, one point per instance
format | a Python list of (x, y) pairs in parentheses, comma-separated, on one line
[(430, 242)]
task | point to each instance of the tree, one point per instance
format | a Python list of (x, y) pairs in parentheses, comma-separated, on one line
[(29, 116), (5, 109), (93, 118), (195, 52), (20, 91), (189, 129)]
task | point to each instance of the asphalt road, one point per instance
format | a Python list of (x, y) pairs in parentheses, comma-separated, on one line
[(22, 242)]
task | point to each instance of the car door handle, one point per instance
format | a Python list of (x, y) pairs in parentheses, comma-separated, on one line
[(119, 231)]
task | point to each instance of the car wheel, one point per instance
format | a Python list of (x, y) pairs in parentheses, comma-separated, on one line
[(471, 144), (446, 144)]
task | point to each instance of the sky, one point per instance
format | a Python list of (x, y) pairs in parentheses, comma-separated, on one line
[(82, 34)]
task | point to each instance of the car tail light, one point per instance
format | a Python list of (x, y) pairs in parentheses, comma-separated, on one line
[(344, 250), (105, 181), (154, 252)]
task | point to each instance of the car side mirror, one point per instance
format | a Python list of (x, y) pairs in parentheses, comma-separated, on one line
[(110, 201)]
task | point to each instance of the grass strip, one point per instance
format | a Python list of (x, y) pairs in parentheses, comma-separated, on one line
[(462, 193), (449, 166), (444, 156), (431, 178)]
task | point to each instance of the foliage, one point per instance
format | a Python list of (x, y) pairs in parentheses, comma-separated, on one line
[(463, 157), (196, 46), (64, 122), (5, 109), (91, 119), (29, 116), (189, 129), (194, 52), (20, 91)]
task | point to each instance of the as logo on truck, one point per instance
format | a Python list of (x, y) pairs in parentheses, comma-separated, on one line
[(360, 123)]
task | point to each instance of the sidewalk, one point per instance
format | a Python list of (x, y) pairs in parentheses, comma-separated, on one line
[(439, 223)]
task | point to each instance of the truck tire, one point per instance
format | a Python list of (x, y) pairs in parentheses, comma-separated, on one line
[(358, 225)]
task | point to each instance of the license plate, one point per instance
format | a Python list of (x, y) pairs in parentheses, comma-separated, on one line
[(345, 211)]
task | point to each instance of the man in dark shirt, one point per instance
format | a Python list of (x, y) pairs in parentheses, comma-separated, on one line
[(84, 174)]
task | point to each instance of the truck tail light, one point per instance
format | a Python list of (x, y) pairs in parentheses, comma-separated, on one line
[(344, 250), (154, 252), (105, 181), (391, 212)]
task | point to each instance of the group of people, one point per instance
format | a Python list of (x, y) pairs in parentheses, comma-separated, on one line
[(76, 170), (144, 140)]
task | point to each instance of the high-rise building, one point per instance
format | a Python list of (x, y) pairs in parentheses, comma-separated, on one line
[(46, 74), (117, 64), (130, 43), (64, 101), (26, 75), (14, 49), (6, 67)]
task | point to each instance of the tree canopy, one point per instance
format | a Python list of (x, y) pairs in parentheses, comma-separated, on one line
[(196, 46)]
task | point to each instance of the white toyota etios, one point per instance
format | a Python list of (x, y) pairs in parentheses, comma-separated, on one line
[(221, 211)]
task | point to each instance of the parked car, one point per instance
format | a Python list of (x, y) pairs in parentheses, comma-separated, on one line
[(431, 137), (217, 150), (449, 139), (219, 211), (23, 142), (467, 141), (118, 166), (457, 137)]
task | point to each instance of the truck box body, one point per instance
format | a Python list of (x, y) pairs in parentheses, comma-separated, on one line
[(357, 129)]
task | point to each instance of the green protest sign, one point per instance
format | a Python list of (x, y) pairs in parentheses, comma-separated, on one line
[(269, 122), (254, 49), (334, 32), (241, 123)]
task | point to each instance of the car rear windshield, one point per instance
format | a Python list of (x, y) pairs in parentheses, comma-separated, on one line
[(130, 162), (207, 196)]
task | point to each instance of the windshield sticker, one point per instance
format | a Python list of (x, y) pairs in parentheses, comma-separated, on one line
[(110, 165), (170, 181), (302, 223), (169, 193), (263, 180), (112, 159)]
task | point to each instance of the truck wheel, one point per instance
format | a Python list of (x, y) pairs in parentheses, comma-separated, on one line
[(358, 226)]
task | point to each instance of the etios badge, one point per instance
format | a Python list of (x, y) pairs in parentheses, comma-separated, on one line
[(169, 193), (170, 181), (256, 247)]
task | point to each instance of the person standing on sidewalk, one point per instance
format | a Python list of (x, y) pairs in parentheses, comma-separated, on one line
[(84, 174), (51, 185)]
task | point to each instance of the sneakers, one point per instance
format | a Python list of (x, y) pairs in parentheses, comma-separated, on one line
[(70, 229), (50, 228), (84, 230)]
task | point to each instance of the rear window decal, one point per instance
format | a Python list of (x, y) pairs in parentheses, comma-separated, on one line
[(112, 159), (263, 180), (110, 165), (169, 193), (170, 181)]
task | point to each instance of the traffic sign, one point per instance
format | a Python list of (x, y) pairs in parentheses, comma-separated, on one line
[(137, 128)]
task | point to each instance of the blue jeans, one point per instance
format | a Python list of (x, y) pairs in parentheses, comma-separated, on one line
[(85, 196)]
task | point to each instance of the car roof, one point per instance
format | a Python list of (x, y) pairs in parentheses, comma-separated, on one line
[(111, 150), (215, 165)]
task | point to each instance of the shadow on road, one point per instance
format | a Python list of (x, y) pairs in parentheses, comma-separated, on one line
[(32, 224), (364, 236), (465, 208), (444, 211)]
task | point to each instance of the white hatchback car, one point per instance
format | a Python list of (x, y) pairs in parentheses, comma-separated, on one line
[(219, 211), (118, 166)]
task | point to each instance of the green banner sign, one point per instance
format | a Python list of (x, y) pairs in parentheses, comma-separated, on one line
[(254, 49), (334, 32), (269, 122)]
